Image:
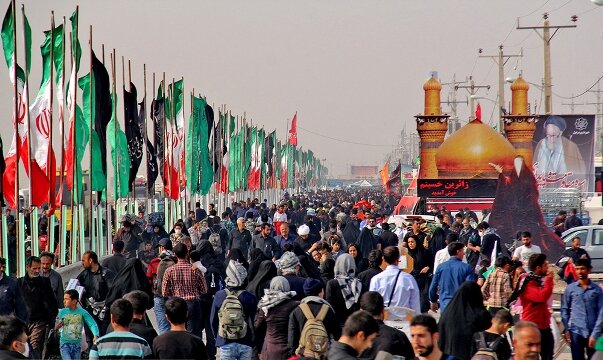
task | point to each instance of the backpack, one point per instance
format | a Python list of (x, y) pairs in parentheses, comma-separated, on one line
[(216, 243), (486, 351), (232, 324), (314, 339)]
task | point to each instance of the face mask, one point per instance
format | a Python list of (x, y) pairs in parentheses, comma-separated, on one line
[(26, 352)]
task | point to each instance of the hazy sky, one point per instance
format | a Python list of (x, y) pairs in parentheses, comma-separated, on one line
[(353, 70)]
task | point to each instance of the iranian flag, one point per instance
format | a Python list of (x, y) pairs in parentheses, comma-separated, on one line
[(254, 164), (40, 127), (285, 166), (19, 117), (175, 137)]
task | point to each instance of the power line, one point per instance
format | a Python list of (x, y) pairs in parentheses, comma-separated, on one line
[(343, 141)]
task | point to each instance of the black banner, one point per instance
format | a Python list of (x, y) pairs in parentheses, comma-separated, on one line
[(456, 188)]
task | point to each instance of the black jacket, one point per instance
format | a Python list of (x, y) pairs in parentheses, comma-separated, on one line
[(341, 351), (366, 276), (96, 284), (39, 298), (390, 340), (115, 262), (11, 299), (268, 245)]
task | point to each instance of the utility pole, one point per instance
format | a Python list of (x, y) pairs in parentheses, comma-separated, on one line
[(453, 122), (472, 89), (546, 38), (500, 60), (573, 105), (599, 120)]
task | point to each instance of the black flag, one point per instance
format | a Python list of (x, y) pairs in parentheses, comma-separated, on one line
[(103, 108), (158, 117), (269, 154), (133, 133), (394, 184)]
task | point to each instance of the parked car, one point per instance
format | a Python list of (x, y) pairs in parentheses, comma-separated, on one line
[(591, 240)]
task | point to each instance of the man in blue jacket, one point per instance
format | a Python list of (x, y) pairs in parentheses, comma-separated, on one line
[(449, 276)]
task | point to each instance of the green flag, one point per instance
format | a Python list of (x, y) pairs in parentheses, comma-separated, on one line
[(119, 154)]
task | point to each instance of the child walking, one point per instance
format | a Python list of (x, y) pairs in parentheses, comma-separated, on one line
[(71, 318)]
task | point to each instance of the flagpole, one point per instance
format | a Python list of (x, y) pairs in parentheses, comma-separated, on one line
[(28, 116), (167, 172), (49, 168), (144, 119), (173, 115), (90, 99), (182, 160), (134, 181), (116, 165), (123, 80), (62, 120), (16, 124)]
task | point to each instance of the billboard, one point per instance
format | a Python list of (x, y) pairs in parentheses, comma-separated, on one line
[(364, 171), (564, 151)]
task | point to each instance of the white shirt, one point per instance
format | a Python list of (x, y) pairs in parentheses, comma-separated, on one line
[(441, 257), (406, 291), (278, 217), (523, 253)]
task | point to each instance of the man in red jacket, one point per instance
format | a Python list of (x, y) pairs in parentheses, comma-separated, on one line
[(536, 292)]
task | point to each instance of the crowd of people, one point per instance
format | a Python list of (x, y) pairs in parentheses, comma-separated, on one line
[(319, 276)]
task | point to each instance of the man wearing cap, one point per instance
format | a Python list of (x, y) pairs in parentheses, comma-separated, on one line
[(304, 240), (314, 291), (235, 283), (555, 153), (265, 242), (11, 299)]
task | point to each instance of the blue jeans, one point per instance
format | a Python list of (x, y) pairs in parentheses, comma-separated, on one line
[(193, 320), (579, 347), (159, 309), (236, 351), (71, 351)]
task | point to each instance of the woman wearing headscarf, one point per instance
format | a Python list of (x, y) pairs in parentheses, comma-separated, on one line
[(422, 269), (359, 260), (464, 316), (256, 257), (237, 255), (272, 320), (157, 233), (344, 291), (131, 277), (261, 281)]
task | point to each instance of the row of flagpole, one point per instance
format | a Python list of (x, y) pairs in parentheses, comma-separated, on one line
[(175, 206)]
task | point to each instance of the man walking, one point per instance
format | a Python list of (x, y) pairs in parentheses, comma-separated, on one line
[(239, 237), (581, 306), (121, 343), (47, 259), (182, 281), (397, 287), (536, 289), (11, 299), (449, 276), (41, 303)]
